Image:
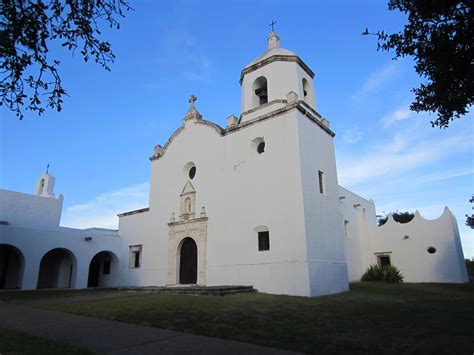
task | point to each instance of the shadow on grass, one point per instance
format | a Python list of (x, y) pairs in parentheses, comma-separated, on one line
[(371, 317), (15, 342)]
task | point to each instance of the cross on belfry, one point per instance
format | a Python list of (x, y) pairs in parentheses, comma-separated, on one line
[(192, 99), (47, 168), (273, 24)]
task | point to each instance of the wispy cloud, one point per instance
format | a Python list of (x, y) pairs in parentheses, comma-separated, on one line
[(102, 210), (398, 115), (400, 154), (183, 51), (376, 80), (352, 135)]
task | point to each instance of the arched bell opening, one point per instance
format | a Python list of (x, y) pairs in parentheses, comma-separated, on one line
[(260, 91)]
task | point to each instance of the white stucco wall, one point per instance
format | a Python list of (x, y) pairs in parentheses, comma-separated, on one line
[(240, 190), (407, 244), (324, 233), (34, 243), (25, 210), (355, 210)]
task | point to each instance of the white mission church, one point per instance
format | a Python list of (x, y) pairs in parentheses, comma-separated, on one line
[(255, 203)]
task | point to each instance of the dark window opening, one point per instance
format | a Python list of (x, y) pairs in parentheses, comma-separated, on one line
[(262, 94), (192, 172), (431, 250), (137, 259), (321, 181), (106, 268), (263, 241), (305, 93), (384, 260), (261, 147)]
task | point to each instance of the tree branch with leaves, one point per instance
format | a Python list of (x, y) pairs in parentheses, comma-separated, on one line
[(439, 36), (29, 77)]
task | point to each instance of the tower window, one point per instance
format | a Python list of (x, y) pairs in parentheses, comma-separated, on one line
[(321, 182), (307, 92), (261, 91), (263, 241), (261, 147)]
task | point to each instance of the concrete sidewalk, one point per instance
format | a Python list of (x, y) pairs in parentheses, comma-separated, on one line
[(106, 336)]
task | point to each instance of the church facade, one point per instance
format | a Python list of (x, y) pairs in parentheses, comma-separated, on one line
[(255, 203)]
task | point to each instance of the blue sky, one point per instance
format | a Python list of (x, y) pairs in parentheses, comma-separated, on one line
[(99, 145)]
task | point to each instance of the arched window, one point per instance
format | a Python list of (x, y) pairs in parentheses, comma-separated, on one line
[(308, 92), (260, 90)]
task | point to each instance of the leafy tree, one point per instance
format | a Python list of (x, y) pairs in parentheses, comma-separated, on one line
[(29, 76), (470, 219), (439, 36), (400, 217)]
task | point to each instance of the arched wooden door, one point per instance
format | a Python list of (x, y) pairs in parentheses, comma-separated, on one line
[(188, 262)]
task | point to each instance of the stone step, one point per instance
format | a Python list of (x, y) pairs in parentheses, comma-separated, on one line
[(191, 289)]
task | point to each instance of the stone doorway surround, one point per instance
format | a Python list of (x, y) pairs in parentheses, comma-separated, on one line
[(187, 226)]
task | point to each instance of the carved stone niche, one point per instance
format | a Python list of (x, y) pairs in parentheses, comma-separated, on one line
[(188, 202)]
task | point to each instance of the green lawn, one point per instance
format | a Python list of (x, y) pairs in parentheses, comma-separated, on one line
[(19, 296), (372, 317), (14, 342)]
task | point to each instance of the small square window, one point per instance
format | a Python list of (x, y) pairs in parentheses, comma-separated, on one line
[(384, 260), (321, 182), (106, 268), (263, 241)]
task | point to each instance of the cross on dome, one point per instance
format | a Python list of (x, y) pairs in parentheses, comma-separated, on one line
[(272, 25)]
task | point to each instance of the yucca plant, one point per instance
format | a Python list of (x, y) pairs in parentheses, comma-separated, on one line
[(388, 273)]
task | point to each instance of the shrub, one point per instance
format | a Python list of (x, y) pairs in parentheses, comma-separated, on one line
[(400, 217), (388, 273), (470, 267)]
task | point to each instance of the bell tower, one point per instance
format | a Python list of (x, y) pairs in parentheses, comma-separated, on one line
[(268, 79)]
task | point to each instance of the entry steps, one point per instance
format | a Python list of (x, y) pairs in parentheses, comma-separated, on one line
[(191, 289)]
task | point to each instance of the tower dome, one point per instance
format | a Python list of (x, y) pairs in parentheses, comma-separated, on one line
[(270, 77), (273, 49)]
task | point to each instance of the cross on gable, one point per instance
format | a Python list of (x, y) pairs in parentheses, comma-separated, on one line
[(192, 99)]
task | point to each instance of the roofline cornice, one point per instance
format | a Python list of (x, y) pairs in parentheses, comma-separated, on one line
[(300, 105), (276, 58)]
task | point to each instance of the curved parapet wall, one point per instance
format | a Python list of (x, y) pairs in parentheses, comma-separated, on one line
[(424, 250)]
